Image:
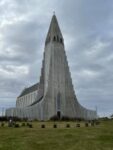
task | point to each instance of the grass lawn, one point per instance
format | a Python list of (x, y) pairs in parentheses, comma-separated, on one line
[(99, 137)]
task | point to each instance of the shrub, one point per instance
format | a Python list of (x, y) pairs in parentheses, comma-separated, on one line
[(55, 126), (43, 126), (86, 124), (78, 125), (30, 126), (67, 125), (23, 124), (54, 118), (3, 118), (27, 124), (16, 125), (2, 124)]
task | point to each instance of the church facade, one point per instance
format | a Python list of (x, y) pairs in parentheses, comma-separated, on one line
[(54, 94)]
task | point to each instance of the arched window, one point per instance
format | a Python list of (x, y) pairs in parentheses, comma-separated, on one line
[(54, 38), (58, 101), (60, 40)]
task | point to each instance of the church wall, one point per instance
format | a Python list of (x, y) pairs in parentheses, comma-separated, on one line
[(26, 100)]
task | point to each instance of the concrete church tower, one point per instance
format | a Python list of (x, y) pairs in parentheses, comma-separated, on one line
[(56, 96), (59, 97)]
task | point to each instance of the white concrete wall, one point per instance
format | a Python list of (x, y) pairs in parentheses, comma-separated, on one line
[(26, 100)]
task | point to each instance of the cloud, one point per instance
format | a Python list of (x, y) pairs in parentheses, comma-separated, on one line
[(13, 71), (87, 30)]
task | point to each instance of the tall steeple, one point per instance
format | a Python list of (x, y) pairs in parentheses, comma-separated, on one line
[(54, 32)]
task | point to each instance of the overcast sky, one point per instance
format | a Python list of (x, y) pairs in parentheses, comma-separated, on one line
[(87, 28)]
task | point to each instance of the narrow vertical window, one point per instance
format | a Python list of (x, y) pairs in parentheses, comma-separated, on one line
[(60, 40), (54, 38), (58, 101)]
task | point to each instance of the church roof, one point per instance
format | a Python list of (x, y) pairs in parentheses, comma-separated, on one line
[(29, 90)]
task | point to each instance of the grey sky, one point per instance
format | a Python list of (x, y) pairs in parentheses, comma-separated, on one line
[(87, 27)]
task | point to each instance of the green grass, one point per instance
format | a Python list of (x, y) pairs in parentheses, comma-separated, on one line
[(84, 138)]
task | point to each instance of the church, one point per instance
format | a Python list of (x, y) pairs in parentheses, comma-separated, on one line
[(54, 95)]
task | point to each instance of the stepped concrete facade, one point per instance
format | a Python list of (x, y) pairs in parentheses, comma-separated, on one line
[(27, 96), (55, 96)]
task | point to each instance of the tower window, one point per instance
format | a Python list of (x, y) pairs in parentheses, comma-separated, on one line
[(54, 38), (58, 101), (60, 40)]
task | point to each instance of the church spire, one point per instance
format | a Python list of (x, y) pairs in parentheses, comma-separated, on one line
[(54, 32)]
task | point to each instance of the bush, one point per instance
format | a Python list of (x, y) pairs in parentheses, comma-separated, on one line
[(55, 126), (86, 124), (27, 124), (16, 125), (23, 124), (2, 124), (67, 125), (3, 118), (30, 126), (43, 126), (54, 118), (78, 125), (64, 118)]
